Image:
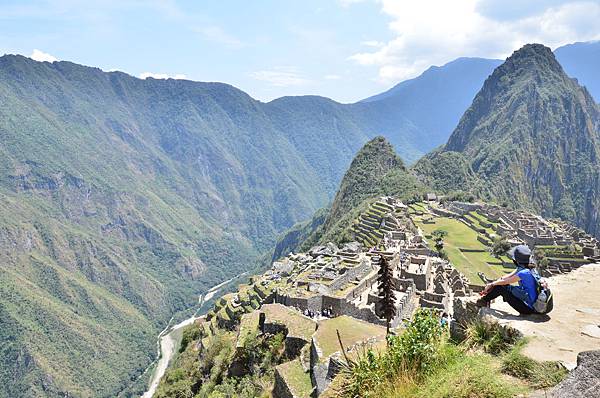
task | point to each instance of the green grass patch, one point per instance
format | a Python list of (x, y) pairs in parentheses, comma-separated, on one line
[(537, 374), (297, 379), (352, 331), (466, 376), (461, 236), (296, 324), (248, 326)]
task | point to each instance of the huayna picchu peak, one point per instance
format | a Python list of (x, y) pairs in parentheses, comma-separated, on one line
[(531, 139)]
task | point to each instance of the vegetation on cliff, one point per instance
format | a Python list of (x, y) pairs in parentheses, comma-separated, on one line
[(531, 139), (423, 362)]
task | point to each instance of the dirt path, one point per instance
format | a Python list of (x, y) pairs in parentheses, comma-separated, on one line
[(574, 324)]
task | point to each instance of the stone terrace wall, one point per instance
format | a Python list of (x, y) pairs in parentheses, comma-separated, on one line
[(351, 274), (281, 389), (462, 207), (312, 303)]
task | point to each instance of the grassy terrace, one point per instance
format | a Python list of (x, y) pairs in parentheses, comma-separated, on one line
[(417, 207), (461, 236), (248, 325), (477, 219), (297, 324), (351, 330), (297, 379)]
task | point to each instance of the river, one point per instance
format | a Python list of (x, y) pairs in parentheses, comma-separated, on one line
[(167, 340)]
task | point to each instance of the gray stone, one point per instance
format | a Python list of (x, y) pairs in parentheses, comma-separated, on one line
[(584, 381), (592, 331)]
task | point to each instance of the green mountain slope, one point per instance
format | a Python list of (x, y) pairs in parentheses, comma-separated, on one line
[(120, 201), (375, 171), (531, 138)]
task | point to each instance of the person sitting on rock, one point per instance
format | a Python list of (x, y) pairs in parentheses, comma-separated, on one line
[(520, 297)]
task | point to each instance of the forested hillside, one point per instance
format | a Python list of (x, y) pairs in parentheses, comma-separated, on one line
[(121, 200), (530, 139)]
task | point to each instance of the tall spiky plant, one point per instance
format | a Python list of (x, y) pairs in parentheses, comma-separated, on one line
[(387, 298)]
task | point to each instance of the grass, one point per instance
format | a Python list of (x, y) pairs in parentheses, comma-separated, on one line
[(461, 236), (539, 375), (422, 362), (352, 331), (296, 324), (487, 364), (466, 376), (490, 336), (248, 325), (461, 376), (297, 379)]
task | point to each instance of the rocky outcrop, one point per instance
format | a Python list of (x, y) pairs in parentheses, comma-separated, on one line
[(584, 381)]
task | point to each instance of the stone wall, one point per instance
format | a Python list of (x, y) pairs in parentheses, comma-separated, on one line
[(421, 280), (462, 207), (350, 275), (281, 389)]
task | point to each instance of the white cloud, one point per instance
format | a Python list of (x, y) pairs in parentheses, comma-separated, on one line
[(333, 77), (218, 35), (280, 77), (146, 75), (372, 43), (41, 56), (433, 32)]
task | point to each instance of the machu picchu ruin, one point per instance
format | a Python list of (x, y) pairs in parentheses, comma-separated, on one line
[(309, 297)]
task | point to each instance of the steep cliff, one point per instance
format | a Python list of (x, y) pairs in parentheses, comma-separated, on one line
[(531, 139)]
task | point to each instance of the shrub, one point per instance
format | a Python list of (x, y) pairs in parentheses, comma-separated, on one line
[(490, 335), (190, 333), (413, 354)]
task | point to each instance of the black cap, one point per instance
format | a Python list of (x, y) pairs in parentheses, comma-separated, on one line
[(521, 254)]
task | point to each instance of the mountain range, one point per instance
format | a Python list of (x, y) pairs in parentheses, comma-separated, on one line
[(531, 139), (123, 199)]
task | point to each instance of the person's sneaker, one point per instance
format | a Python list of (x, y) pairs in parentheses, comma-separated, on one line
[(482, 303)]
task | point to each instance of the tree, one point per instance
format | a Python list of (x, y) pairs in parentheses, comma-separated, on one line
[(438, 236), (387, 298), (500, 246)]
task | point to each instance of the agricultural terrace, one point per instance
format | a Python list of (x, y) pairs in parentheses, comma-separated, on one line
[(296, 378), (476, 258), (352, 331), (480, 220), (248, 326), (297, 325)]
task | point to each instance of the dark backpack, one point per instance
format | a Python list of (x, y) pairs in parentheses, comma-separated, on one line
[(545, 299)]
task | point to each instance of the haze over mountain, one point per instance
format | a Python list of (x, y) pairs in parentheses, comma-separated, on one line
[(531, 139), (582, 61), (123, 199)]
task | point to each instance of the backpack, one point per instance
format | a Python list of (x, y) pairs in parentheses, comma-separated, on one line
[(545, 300)]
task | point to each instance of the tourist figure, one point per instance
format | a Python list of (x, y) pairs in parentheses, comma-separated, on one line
[(520, 297)]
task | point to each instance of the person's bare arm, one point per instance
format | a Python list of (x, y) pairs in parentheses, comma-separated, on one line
[(505, 280)]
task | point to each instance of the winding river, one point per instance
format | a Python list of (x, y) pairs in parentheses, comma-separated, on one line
[(167, 341)]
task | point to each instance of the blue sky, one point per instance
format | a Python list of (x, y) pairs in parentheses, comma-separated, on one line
[(343, 49)]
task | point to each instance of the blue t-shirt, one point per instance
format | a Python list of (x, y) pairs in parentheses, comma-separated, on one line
[(528, 283)]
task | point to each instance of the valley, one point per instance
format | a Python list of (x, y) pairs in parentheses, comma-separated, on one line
[(123, 199)]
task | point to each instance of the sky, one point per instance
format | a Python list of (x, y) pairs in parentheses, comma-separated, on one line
[(343, 49)]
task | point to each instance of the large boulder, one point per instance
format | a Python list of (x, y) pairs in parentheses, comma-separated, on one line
[(584, 380)]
